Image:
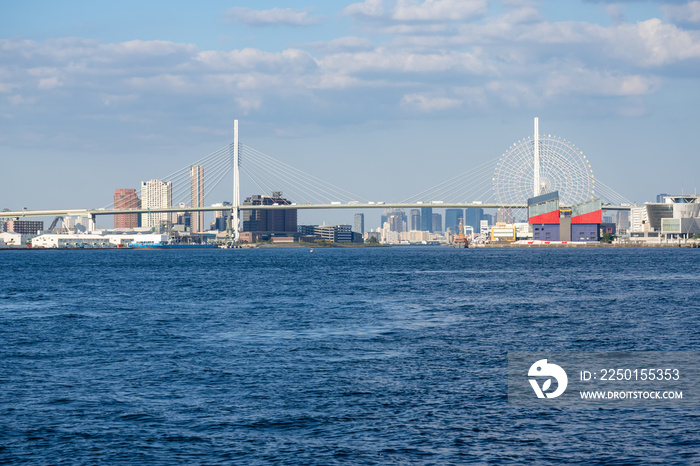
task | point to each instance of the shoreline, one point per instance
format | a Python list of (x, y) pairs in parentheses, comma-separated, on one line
[(588, 245), (693, 245)]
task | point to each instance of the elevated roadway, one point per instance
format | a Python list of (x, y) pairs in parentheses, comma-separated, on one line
[(377, 205)]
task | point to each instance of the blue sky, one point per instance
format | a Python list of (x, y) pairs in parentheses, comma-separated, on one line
[(384, 98)]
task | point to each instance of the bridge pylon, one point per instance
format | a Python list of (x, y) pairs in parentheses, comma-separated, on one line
[(236, 204)]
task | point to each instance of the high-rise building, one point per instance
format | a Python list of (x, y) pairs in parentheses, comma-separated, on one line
[(415, 220), (359, 225), (282, 221), (426, 219), (156, 194), (504, 215), (623, 221), (472, 218), (396, 219), (437, 223), (452, 217), (197, 196), (25, 227), (660, 198), (126, 199), (221, 217), (183, 218)]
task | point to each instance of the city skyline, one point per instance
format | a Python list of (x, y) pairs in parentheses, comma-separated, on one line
[(347, 91)]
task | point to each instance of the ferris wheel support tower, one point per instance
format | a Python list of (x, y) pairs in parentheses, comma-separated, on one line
[(537, 158)]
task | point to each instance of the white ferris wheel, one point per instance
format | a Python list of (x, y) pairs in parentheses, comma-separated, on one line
[(540, 164)]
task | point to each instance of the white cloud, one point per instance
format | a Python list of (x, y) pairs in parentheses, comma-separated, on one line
[(415, 29), (49, 83), (582, 81), (248, 104), (651, 43), (21, 100), (113, 99), (513, 60), (616, 12), (397, 61), (342, 44), (369, 8), (414, 10), (688, 13), (7, 87), (438, 10), (253, 59), (429, 104), (283, 16)]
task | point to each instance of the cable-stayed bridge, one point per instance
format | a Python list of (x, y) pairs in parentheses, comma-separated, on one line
[(539, 164)]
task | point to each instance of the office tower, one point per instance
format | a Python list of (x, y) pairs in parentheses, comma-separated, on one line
[(183, 218), (504, 215), (437, 223), (426, 219), (396, 219), (472, 218), (156, 194), (126, 199), (415, 220), (197, 196), (282, 221), (660, 198), (221, 217), (452, 217), (359, 225)]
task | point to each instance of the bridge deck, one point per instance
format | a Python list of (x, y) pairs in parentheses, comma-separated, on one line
[(95, 212)]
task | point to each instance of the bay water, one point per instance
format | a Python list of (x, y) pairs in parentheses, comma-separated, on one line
[(341, 356)]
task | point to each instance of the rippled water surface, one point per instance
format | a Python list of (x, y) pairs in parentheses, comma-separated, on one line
[(369, 355)]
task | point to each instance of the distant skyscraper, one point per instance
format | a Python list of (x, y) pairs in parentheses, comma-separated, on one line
[(197, 190), (415, 220), (660, 198), (221, 217), (396, 219), (126, 199), (426, 219), (504, 215), (452, 217), (183, 218), (437, 223), (359, 225), (156, 194), (472, 217)]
